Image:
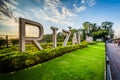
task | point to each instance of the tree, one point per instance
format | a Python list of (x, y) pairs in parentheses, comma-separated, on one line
[(60, 36), (92, 29), (15, 41), (47, 38), (108, 26), (86, 25), (2, 42), (100, 34)]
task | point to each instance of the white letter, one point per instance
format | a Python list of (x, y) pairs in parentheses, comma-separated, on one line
[(79, 41), (67, 37), (22, 31), (74, 40), (54, 36)]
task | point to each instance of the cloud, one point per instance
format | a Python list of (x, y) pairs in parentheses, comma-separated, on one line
[(13, 2), (83, 5), (10, 25), (53, 6), (117, 28), (82, 1), (52, 11), (7, 10), (79, 9), (56, 12), (10, 5), (66, 12), (89, 2)]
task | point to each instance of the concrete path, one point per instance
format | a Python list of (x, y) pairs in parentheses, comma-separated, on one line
[(114, 57)]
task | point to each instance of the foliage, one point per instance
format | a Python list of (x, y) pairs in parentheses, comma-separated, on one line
[(47, 38), (29, 47), (16, 60), (8, 50), (91, 43), (103, 31), (106, 25), (2, 42), (76, 65), (60, 36), (49, 45), (15, 41), (100, 34)]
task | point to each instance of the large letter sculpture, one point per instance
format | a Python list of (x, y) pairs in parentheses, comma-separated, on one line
[(74, 39), (54, 36), (67, 37), (22, 32), (79, 40)]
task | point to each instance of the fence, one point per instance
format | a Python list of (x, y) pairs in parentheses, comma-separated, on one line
[(108, 70)]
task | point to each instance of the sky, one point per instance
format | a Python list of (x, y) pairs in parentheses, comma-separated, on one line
[(57, 13)]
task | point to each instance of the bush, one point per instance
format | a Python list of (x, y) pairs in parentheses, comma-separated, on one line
[(8, 50), (84, 42), (91, 43), (3, 42), (15, 41), (15, 61), (49, 45)]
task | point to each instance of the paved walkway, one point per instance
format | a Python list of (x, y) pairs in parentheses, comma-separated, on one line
[(114, 57)]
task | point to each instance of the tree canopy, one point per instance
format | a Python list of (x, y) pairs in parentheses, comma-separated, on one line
[(102, 31)]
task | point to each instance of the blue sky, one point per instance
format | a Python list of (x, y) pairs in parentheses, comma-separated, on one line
[(59, 13)]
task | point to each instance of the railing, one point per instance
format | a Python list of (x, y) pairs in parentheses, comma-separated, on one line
[(108, 70)]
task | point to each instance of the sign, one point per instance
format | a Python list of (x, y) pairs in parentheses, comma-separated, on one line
[(23, 38), (89, 39)]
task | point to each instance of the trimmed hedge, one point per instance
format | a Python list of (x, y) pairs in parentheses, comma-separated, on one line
[(91, 43), (49, 45), (17, 61), (29, 47)]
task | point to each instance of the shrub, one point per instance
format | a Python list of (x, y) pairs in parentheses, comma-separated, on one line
[(84, 42), (49, 45), (2, 42), (15, 41), (91, 43), (8, 50), (15, 61)]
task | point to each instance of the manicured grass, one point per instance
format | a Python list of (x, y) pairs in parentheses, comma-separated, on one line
[(82, 64)]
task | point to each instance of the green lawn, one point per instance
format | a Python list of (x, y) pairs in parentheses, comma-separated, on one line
[(82, 64)]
